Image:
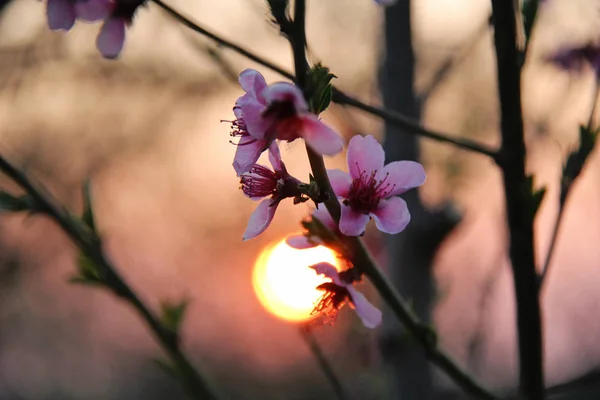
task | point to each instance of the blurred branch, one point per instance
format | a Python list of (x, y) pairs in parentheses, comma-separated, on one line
[(519, 201), (339, 97), (324, 364), (450, 63), (361, 258), (90, 245)]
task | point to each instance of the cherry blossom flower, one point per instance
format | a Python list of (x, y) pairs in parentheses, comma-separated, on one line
[(277, 111), (307, 242), (260, 182), (111, 38), (338, 292), (62, 14), (370, 189), (575, 58)]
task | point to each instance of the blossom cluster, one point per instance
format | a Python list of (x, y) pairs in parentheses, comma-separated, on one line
[(268, 114), (115, 15)]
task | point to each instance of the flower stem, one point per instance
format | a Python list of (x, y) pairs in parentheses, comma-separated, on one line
[(410, 126), (518, 202), (324, 364), (361, 258), (196, 385)]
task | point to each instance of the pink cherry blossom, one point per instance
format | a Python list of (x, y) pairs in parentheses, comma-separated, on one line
[(93, 10), (277, 111), (61, 14), (338, 292), (306, 242), (575, 58), (261, 182), (111, 37), (370, 189), (247, 125)]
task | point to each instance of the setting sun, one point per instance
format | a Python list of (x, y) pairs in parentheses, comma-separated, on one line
[(285, 285)]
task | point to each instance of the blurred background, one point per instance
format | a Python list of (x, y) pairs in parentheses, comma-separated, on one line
[(146, 131)]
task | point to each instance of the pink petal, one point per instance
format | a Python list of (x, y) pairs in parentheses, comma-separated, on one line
[(247, 154), (324, 217), (328, 271), (367, 312), (252, 110), (111, 38), (319, 136), (252, 82), (391, 216), (260, 219), (284, 91), (61, 14), (352, 223), (404, 175), (340, 182), (364, 154), (386, 2), (275, 157), (299, 242), (93, 10)]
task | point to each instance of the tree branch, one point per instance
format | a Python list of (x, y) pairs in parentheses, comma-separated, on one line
[(424, 335), (411, 126), (89, 244), (519, 202)]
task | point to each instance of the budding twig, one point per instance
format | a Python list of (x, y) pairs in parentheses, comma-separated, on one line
[(519, 202), (361, 257), (395, 118), (89, 244)]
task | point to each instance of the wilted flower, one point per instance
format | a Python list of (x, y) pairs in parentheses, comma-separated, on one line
[(260, 182), (338, 292), (306, 241), (370, 188), (278, 111)]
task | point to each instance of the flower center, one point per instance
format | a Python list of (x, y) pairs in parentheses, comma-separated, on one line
[(366, 191), (332, 300), (259, 182), (283, 115), (239, 129)]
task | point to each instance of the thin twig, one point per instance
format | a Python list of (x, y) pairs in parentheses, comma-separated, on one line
[(566, 191), (361, 257), (519, 202), (195, 384), (324, 364), (410, 126)]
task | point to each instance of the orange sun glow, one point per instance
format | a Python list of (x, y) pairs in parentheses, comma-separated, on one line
[(284, 283)]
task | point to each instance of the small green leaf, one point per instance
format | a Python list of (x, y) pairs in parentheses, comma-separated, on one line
[(172, 314), (577, 159), (87, 272), (538, 197), (326, 97), (167, 367), (11, 203), (319, 90)]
